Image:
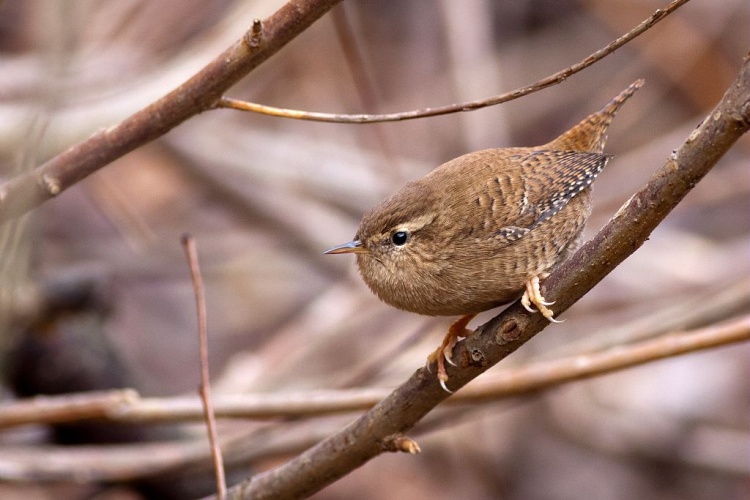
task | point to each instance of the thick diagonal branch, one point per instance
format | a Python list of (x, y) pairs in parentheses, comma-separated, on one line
[(368, 436), (196, 95)]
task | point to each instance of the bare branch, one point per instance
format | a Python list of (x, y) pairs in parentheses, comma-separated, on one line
[(547, 374), (114, 462), (125, 406), (191, 251), (198, 94), (553, 79), (401, 410), (66, 408)]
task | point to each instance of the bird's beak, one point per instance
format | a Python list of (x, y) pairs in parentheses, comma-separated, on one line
[(350, 247)]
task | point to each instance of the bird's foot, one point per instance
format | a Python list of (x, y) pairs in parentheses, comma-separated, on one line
[(443, 353), (533, 295)]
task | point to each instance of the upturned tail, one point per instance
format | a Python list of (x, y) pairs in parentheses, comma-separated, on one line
[(590, 134)]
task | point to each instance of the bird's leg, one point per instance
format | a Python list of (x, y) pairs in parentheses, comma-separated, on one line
[(533, 295), (443, 353)]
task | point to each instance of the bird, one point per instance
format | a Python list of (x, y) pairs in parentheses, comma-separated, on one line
[(483, 229)]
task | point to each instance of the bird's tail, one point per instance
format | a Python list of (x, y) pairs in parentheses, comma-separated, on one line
[(591, 133)]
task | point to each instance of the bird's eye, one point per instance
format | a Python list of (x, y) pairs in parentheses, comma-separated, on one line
[(400, 238)]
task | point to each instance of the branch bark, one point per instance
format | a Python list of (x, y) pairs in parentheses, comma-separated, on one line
[(198, 94), (369, 435)]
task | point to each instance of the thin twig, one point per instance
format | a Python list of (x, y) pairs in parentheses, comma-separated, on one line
[(701, 309), (188, 242), (547, 374), (102, 405), (553, 79)]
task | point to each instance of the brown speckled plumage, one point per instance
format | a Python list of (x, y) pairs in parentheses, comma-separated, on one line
[(475, 232)]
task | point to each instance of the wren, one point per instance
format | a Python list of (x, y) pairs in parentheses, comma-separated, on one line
[(481, 230)]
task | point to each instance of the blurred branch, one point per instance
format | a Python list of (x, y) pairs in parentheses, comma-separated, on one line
[(719, 303), (66, 408), (198, 94), (546, 374), (363, 83), (124, 406), (364, 438), (553, 79)]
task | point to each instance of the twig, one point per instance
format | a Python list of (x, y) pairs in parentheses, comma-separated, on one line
[(200, 93), (67, 408), (553, 79), (124, 462), (125, 406), (108, 466), (629, 229), (547, 374), (188, 242), (702, 309)]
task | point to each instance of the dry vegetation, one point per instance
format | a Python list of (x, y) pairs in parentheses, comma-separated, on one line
[(95, 291)]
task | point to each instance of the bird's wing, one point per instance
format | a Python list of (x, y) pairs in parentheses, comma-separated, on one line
[(553, 178), (543, 184), (520, 188)]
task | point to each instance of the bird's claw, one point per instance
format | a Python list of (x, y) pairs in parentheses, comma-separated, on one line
[(447, 356), (533, 295), (444, 352), (445, 388)]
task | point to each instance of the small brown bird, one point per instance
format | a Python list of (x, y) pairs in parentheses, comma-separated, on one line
[(481, 230)]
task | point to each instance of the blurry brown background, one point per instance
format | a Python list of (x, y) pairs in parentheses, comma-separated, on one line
[(265, 196)]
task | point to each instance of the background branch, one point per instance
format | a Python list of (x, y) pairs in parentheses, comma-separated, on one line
[(204, 387), (126, 406)]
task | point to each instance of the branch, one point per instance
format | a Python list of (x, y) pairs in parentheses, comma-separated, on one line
[(548, 374), (204, 91), (198, 94), (125, 406), (368, 436), (204, 390), (118, 462), (553, 79)]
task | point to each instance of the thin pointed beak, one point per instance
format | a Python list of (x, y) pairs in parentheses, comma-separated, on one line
[(350, 247)]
